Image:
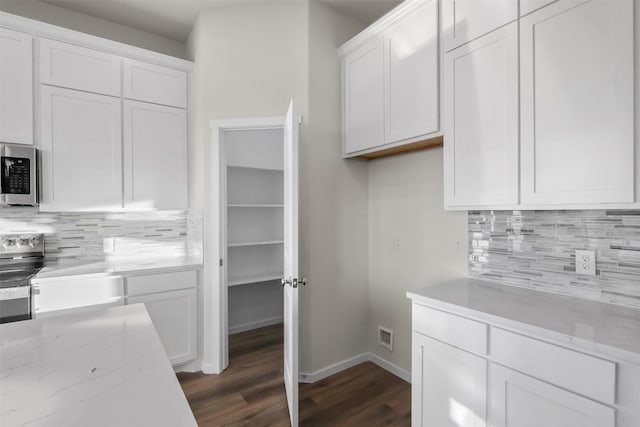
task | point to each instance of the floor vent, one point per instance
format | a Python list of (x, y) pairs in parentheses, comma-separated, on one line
[(385, 338)]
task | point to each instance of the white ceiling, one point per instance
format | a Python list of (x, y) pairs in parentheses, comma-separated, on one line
[(174, 19)]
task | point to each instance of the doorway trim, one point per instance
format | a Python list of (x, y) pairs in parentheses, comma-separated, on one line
[(216, 337)]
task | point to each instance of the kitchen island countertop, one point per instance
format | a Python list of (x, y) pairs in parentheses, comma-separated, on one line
[(102, 368)]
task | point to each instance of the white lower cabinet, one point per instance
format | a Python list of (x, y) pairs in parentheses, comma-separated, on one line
[(518, 400), (520, 381), (173, 312), (173, 315), (452, 391)]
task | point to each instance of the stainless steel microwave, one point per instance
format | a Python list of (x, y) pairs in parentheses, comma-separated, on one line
[(19, 175)]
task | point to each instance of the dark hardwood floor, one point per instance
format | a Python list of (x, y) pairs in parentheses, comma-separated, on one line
[(251, 391)]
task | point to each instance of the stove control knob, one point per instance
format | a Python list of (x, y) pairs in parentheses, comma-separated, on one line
[(9, 242), (34, 241)]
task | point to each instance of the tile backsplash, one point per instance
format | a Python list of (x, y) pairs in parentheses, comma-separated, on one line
[(80, 237), (536, 249)]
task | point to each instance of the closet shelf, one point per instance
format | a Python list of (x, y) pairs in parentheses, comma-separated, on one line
[(254, 205), (256, 168), (256, 278), (260, 243)]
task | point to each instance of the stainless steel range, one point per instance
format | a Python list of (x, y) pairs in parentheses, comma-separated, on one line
[(21, 257)]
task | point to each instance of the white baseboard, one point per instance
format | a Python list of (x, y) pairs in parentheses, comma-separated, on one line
[(388, 366), (312, 377), (320, 374), (255, 325)]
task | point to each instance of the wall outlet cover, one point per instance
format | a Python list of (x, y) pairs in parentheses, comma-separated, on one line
[(586, 262)]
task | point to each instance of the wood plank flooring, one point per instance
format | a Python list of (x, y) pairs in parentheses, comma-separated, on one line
[(251, 391)]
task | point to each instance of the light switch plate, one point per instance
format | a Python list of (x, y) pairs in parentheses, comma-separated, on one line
[(586, 263)]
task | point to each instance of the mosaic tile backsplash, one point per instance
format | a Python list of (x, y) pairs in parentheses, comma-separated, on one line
[(536, 249), (79, 237)]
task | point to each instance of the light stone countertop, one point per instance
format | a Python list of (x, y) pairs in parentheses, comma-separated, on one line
[(150, 266), (597, 327), (103, 368)]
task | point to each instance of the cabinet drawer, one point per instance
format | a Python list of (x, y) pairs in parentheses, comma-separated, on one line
[(455, 330), (578, 372), (151, 83), (152, 283), (75, 67)]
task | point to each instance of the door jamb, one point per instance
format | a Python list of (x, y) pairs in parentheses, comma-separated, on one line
[(216, 342)]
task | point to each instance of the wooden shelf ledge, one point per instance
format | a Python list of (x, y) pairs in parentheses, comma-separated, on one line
[(425, 144)]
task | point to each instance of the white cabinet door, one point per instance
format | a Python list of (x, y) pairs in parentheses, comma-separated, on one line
[(528, 6), (81, 150), (465, 20), (517, 400), (71, 66), (152, 83), (174, 317), (411, 75), (155, 160), (481, 121), (16, 87), (448, 385), (577, 81), (363, 83)]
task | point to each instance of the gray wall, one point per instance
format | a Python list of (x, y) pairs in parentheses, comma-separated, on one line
[(55, 15), (413, 243)]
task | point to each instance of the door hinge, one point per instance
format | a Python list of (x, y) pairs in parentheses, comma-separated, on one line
[(221, 263)]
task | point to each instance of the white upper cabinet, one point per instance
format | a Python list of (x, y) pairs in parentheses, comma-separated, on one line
[(528, 6), (466, 20), (81, 150), (155, 158), (412, 77), (152, 83), (364, 97), (16, 87), (577, 103), (75, 67), (481, 121), (391, 79)]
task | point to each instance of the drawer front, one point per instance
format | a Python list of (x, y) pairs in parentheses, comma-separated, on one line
[(152, 283), (75, 67), (578, 372), (458, 331), (151, 83)]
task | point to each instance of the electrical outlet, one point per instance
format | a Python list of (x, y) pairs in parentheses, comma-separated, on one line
[(398, 243), (586, 263), (109, 245)]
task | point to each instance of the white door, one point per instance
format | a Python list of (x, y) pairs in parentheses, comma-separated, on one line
[(577, 121), (16, 87), (411, 62), (364, 97), (291, 262), (155, 156), (481, 121), (466, 20), (518, 400), (80, 137), (449, 385)]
